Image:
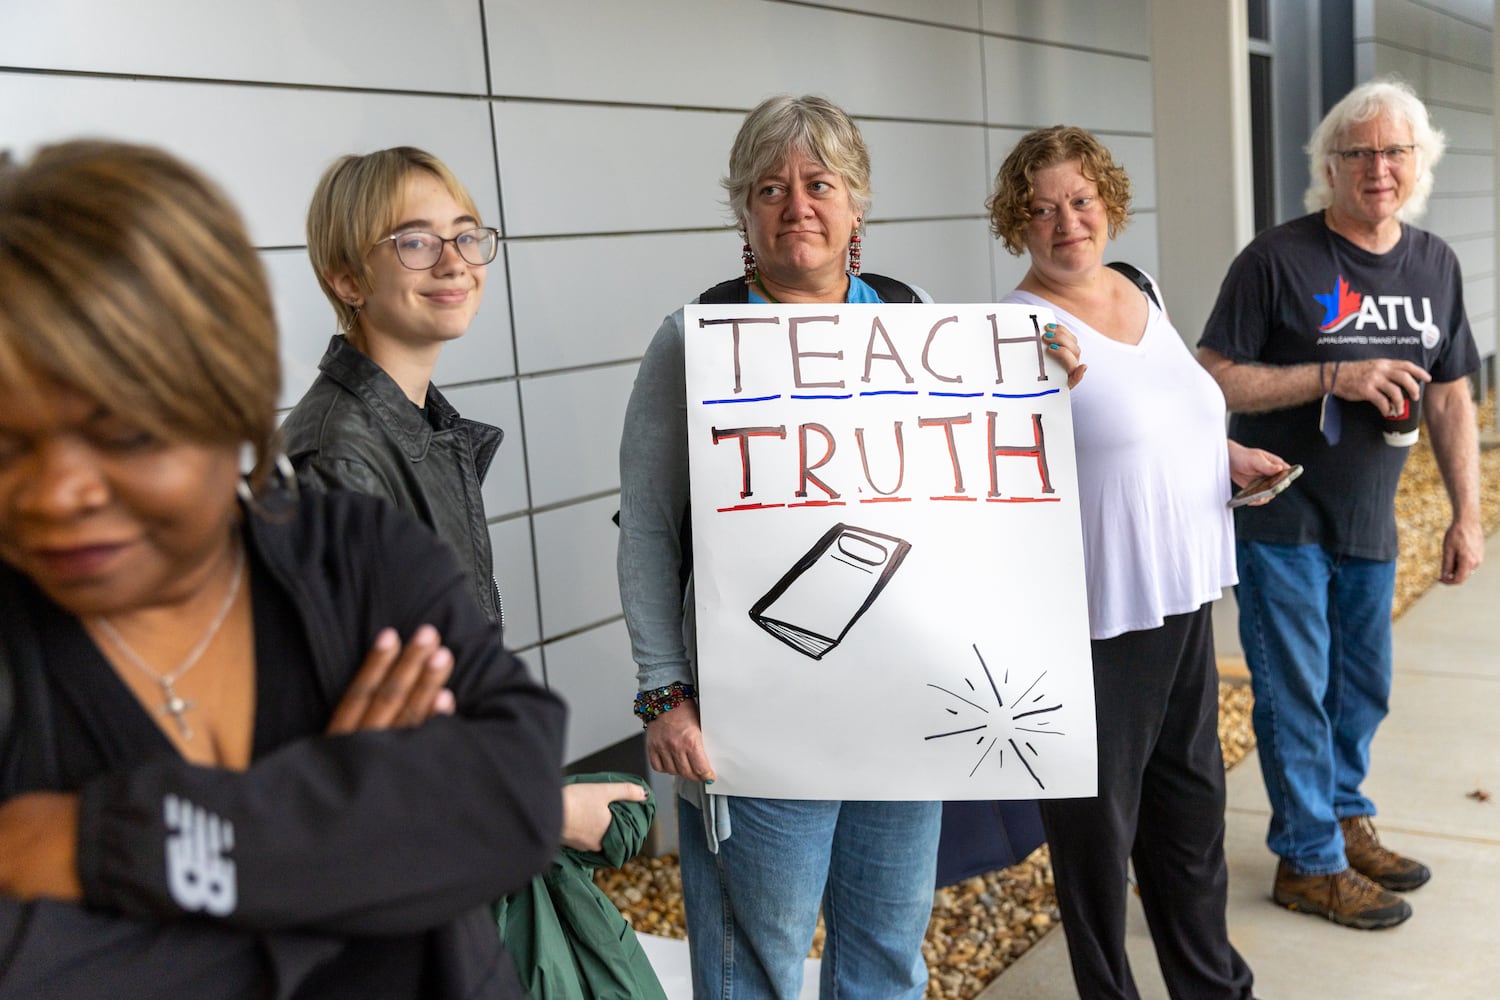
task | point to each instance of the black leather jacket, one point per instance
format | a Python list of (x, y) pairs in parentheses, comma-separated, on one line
[(356, 430)]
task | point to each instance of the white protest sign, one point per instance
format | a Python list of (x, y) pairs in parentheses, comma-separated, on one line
[(888, 562)]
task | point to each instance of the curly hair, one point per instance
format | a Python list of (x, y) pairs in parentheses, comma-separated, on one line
[(1010, 204)]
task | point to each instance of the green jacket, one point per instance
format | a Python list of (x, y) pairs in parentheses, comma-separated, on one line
[(568, 940)]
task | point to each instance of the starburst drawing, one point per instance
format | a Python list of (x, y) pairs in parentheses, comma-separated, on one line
[(1003, 718)]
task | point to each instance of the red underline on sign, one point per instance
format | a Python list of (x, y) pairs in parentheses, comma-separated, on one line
[(887, 500), (965, 499), (1022, 499), (751, 506), (818, 503)]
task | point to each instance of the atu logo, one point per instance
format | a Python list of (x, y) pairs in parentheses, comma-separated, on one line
[(1344, 305)]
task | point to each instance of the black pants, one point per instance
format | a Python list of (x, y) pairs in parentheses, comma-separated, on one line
[(1161, 805)]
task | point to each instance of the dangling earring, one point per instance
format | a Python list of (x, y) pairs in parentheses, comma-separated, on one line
[(282, 483), (353, 317), (854, 251), (748, 256)]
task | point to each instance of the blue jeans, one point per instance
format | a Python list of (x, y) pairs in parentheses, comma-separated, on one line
[(752, 908), (1316, 631)]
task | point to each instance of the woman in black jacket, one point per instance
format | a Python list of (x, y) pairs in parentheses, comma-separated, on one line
[(251, 743)]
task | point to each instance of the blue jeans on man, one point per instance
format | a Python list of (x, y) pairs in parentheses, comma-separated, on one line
[(752, 908), (1316, 631)]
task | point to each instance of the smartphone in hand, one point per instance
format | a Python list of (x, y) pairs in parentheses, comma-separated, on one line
[(1266, 486)]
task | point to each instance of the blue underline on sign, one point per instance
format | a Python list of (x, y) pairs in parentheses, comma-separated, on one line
[(755, 399), (890, 392), (960, 395), (847, 395), (1024, 395)]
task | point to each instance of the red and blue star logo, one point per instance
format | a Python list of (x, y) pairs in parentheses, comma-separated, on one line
[(1339, 306)]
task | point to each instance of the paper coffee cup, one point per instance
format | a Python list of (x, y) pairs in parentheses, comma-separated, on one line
[(1401, 431)]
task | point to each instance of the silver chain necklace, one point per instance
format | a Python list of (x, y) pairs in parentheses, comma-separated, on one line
[(174, 704)]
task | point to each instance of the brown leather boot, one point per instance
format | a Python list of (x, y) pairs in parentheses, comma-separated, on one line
[(1383, 867), (1345, 897)]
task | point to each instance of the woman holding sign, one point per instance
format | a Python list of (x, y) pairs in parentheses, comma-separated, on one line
[(1154, 471), (756, 870)]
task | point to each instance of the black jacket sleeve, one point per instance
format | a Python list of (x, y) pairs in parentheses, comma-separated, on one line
[(369, 833)]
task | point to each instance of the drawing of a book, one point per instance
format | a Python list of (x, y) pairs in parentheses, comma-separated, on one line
[(815, 603)]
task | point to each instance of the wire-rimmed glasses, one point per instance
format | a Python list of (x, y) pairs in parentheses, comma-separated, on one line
[(420, 251), (1394, 156)]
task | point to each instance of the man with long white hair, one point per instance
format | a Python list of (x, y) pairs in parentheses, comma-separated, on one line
[(1327, 329)]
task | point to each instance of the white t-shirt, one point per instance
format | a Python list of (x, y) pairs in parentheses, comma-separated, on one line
[(1153, 476)]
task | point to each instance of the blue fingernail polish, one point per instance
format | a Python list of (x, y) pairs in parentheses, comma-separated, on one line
[(1051, 347), (1049, 335)]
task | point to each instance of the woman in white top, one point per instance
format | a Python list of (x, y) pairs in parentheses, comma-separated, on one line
[(1154, 471)]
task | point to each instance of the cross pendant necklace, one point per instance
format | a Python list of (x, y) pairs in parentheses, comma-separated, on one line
[(174, 704)]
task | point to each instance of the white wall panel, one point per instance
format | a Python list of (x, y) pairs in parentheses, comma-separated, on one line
[(1459, 216), (1475, 255), (730, 53), (1030, 85), (575, 549), (1137, 245), (573, 423), (1465, 173), (958, 13), (497, 404), (1484, 334), (1417, 26), (1479, 295), (593, 674), (591, 301), (434, 45), (515, 573), (303, 318), (1466, 130), (586, 169), (920, 170), (266, 146), (949, 259), (1117, 26)]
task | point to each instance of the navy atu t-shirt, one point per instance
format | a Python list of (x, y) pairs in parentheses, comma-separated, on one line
[(1301, 293)]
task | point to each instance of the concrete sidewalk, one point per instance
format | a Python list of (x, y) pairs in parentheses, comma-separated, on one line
[(1440, 742)]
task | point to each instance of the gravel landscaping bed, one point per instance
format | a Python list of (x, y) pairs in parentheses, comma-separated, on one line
[(983, 924)]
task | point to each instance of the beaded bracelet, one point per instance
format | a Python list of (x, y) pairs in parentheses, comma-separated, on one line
[(651, 704)]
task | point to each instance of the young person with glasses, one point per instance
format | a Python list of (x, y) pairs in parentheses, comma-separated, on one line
[(399, 249)]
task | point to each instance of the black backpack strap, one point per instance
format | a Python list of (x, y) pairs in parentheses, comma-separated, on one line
[(889, 289), (1137, 279), (726, 293)]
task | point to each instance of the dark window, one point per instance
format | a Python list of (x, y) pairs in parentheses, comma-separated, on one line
[(1262, 146), (1259, 20)]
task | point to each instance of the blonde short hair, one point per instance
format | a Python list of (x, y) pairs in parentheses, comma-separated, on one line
[(813, 126), (355, 205), (127, 276), (1010, 204), (1383, 98)]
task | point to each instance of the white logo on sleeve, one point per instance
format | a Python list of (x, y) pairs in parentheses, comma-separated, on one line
[(199, 875)]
